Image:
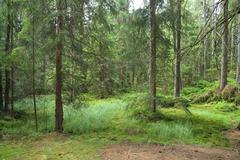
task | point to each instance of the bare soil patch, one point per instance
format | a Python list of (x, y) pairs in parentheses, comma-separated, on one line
[(234, 137), (169, 152)]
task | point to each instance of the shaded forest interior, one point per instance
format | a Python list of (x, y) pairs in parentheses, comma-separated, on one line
[(97, 74)]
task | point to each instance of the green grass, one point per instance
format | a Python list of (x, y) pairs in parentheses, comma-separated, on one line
[(200, 87), (53, 147), (97, 123), (98, 117)]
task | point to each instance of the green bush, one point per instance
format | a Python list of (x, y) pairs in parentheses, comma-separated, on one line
[(189, 91), (225, 106), (166, 102), (182, 102), (202, 98), (237, 100)]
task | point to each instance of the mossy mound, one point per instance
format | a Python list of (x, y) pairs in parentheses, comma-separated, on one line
[(225, 106), (168, 102), (228, 94), (202, 98), (140, 106)]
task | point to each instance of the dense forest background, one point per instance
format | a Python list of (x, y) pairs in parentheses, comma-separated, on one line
[(163, 71), (103, 48)]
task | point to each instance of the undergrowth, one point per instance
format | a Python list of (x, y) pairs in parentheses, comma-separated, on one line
[(127, 118)]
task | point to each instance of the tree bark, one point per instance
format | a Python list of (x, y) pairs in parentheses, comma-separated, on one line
[(205, 43), (178, 51), (225, 45), (43, 74), (238, 53), (33, 74), (1, 88), (7, 51), (232, 44), (214, 35), (153, 54), (59, 50), (83, 66), (12, 70)]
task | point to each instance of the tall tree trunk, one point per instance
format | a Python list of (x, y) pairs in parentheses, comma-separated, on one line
[(12, 91), (178, 51), (33, 74), (73, 57), (238, 53), (59, 50), (83, 65), (225, 45), (12, 71), (7, 50), (43, 74), (72, 94), (173, 28), (205, 43), (1, 87), (214, 35), (153, 54), (232, 44)]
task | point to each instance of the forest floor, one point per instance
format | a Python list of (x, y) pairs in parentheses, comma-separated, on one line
[(63, 147), (167, 152), (174, 152), (104, 131)]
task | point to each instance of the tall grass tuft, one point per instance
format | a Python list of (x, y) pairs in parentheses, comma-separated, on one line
[(170, 131), (96, 118)]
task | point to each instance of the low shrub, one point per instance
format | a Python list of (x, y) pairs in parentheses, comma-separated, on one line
[(202, 98), (166, 102), (225, 106), (237, 100), (145, 113)]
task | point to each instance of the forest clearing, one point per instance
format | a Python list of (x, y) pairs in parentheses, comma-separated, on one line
[(120, 79), (106, 129)]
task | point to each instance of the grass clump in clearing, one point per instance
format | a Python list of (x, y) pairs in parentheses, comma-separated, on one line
[(98, 117), (169, 132)]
